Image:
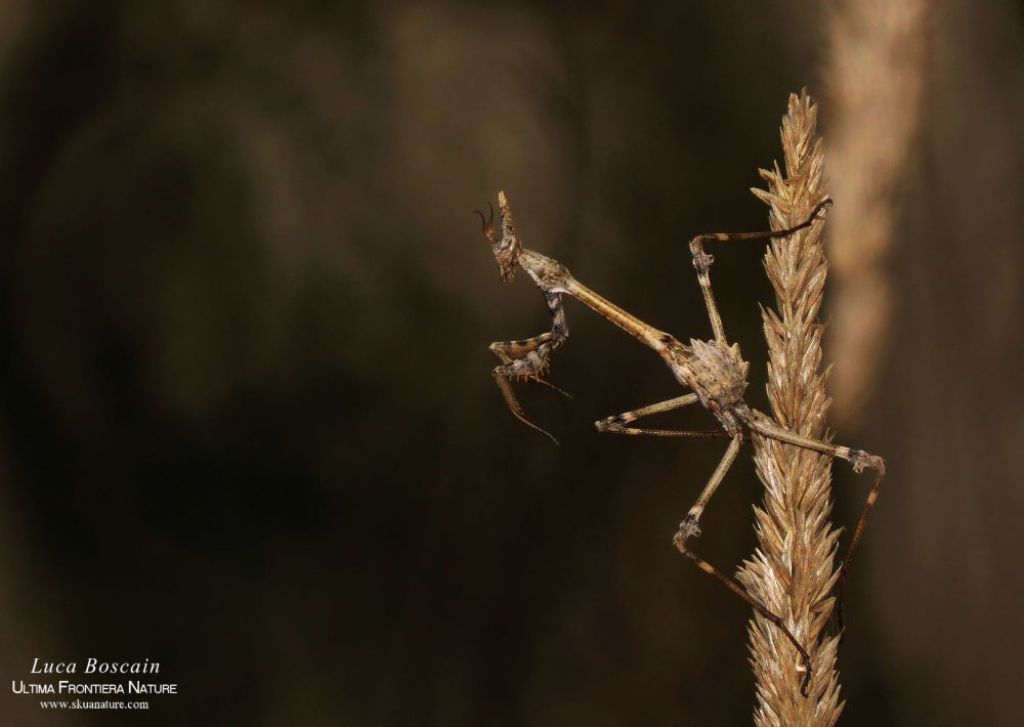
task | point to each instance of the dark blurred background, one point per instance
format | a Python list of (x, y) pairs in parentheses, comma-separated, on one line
[(247, 425)]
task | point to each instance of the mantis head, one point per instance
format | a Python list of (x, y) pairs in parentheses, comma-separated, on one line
[(506, 249)]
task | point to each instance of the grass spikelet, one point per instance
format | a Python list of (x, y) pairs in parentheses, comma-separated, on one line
[(793, 570)]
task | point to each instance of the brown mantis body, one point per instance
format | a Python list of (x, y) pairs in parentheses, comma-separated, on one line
[(713, 371)]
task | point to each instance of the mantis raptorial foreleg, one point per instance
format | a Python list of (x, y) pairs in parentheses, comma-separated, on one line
[(529, 359)]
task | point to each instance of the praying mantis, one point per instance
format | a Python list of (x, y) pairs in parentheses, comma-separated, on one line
[(713, 371)]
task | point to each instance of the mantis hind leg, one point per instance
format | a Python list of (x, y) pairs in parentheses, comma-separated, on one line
[(858, 459), (690, 528)]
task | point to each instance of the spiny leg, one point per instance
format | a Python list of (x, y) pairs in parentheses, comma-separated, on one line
[(513, 402), (528, 359), (702, 261), (616, 424), (690, 528)]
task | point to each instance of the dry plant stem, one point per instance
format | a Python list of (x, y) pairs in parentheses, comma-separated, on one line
[(793, 571)]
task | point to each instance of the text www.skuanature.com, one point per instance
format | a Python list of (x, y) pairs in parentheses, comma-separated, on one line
[(79, 704)]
